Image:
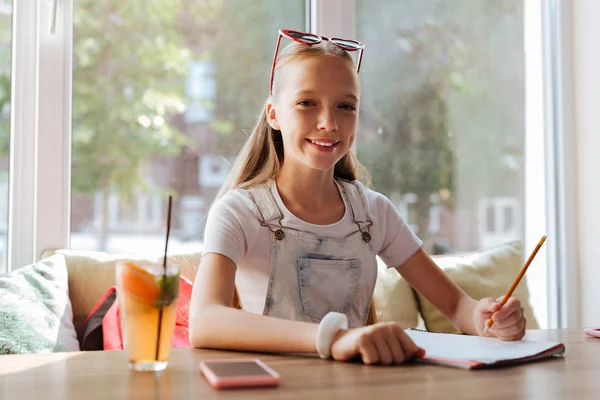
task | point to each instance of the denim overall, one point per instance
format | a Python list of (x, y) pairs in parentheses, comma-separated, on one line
[(309, 276)]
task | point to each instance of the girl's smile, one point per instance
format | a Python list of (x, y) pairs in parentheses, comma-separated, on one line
[(324, 145)]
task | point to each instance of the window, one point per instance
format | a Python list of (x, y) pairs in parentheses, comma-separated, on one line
[(161, 105), (497, 218), (442, 121)]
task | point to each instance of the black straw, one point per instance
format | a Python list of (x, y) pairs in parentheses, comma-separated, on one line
[(160, 310)]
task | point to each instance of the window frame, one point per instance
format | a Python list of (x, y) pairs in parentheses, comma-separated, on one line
[(22, 134), (561, 171), (40, 154)]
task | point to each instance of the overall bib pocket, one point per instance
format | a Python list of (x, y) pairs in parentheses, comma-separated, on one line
[(327, 285)]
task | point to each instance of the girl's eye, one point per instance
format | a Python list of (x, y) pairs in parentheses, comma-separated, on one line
[(348, 107), (305, 103)]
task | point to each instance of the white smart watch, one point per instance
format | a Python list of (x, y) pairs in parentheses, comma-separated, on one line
[(331, 323)]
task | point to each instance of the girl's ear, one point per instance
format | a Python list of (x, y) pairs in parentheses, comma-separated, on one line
[(272, 117)]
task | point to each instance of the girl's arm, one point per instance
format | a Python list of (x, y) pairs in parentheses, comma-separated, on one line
[(422, 273), (215, 324), (467, 315)]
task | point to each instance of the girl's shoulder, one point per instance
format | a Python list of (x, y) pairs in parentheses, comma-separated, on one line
[(375, 201), (242, 201), (235, 201)]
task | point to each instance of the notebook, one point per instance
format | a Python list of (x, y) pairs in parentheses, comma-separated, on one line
[(475, 352)]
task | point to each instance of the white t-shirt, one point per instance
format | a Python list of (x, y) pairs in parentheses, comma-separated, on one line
[(233, 229)]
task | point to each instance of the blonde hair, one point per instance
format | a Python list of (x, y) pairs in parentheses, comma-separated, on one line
[(261, 156)]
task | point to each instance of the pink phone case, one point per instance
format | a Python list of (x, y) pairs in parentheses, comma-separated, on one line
[(594, 332), (238, 380)]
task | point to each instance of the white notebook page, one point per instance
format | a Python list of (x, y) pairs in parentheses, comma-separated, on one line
[(475, 348)]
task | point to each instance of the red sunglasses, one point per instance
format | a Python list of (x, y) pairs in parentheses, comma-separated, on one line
[(310, 39)]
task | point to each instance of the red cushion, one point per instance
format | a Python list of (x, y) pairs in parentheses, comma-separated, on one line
[(91, 337), (111, 329)]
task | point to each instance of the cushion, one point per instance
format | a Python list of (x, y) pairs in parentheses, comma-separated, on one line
[(394, 298), (83, 264), (488, 273), (35, 310), (91, 337)]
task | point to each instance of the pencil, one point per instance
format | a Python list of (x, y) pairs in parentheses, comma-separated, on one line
[(490, 321)]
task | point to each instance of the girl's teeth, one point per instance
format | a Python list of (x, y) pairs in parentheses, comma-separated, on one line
[(322, 144)]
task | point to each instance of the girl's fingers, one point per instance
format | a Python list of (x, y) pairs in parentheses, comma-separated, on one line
[(490, 305), (383, 348), (409, 347), (397, 351), (508, 320), (395, 344), (512, 305), (367, 349), (386, 343), (512, 332)]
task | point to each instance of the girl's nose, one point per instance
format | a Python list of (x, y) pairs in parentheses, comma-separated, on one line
[(327, 121)]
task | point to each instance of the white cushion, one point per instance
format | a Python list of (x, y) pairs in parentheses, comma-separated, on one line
[(394, 298), (35, 309)]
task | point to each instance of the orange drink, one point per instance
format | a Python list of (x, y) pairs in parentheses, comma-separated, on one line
[(147, 303)]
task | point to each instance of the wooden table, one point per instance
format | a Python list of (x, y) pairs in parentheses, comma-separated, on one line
[(104, 375)]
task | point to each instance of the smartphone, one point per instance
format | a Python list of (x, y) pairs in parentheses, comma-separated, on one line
[(238, 373), (594, 332)]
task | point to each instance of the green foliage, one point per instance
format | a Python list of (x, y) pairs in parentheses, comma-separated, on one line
[(5, 89), (243, 52), (129, 64), (5, 82), (131, 59)]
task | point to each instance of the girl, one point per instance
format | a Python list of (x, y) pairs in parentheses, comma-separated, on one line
[(297, 234)]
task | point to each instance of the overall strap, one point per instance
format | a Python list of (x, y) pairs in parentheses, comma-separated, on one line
[(356, 197), (263, 198)]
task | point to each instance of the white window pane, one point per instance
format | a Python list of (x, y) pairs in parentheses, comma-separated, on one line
[(443, 116), (162, 95), (5, 90)]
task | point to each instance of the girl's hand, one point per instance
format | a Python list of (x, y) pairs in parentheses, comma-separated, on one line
[(384, 343), (509, 322)]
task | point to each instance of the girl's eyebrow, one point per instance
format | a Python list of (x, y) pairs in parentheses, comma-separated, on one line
[(299, 93), (352, 97)]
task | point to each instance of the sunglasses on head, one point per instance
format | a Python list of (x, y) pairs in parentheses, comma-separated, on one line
[(310, 39)]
